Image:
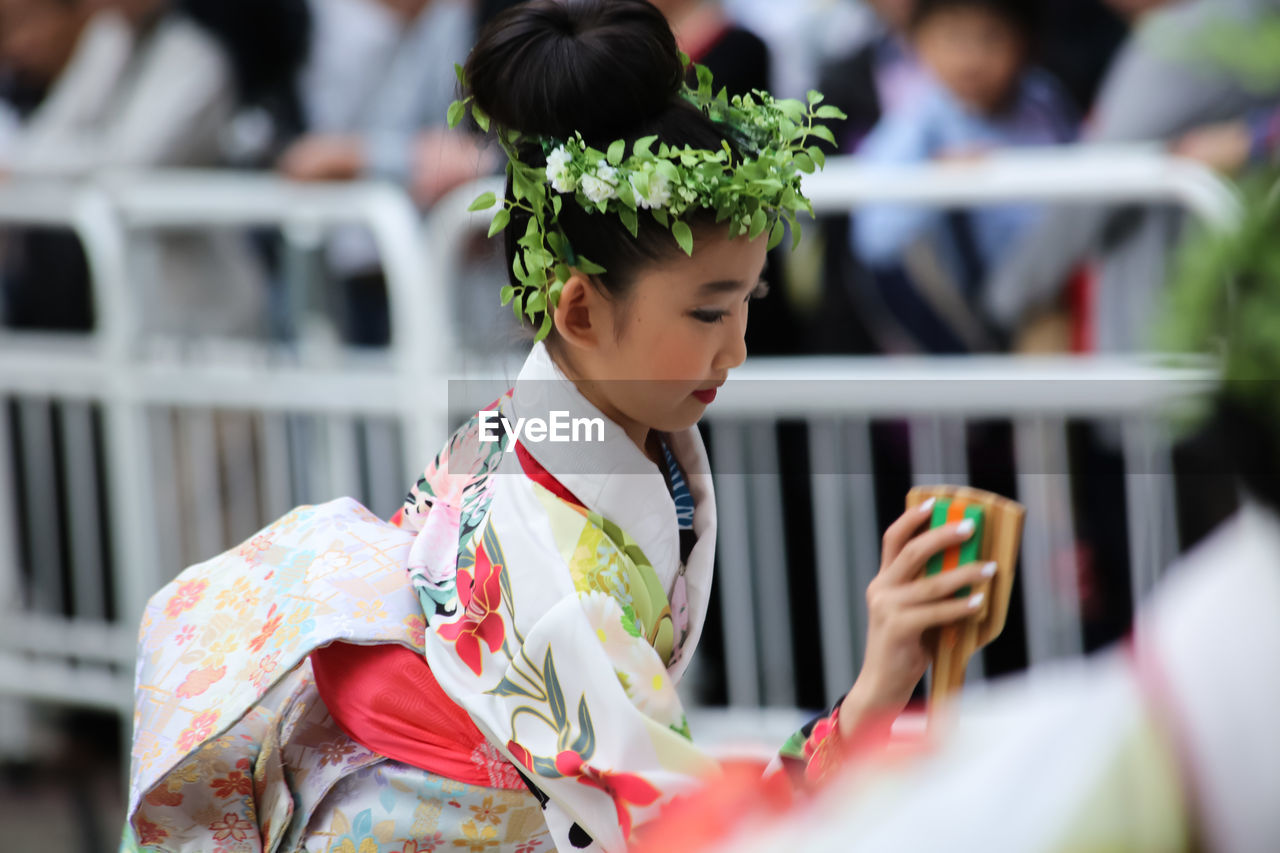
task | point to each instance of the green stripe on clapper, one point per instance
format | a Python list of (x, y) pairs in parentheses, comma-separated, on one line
[(940, 510)]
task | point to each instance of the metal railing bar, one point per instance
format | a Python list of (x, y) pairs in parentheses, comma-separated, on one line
[(735, 583), (834, 565), (1051, 597), (39, 475), (80, 484), (769, 562)]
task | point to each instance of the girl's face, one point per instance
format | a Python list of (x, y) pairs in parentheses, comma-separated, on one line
[(652, 359)]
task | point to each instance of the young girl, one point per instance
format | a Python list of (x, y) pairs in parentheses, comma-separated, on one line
[(495, 669)]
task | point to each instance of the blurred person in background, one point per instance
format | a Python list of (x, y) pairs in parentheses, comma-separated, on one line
[(157, 84), (802, 35), (1162, 84), (37, 41), (736, 56), (880, 71), (1173, 74), (880, 74), (378, 85), (1234, 145), (928, 264)]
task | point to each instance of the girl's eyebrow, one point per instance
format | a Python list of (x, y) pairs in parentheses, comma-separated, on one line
[(713, 288)]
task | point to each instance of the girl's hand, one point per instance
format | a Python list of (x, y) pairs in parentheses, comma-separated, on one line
[(902, 605)]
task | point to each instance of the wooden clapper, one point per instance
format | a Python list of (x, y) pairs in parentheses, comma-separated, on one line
[(998, 522)]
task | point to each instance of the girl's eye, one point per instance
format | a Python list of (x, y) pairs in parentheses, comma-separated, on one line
[(703, 315)]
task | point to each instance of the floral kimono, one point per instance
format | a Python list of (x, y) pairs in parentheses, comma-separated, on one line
[(494, 669)]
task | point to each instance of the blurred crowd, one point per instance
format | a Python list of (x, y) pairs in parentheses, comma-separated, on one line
[(339, 90)]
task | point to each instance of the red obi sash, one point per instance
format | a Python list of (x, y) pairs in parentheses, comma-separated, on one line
[(386, 699)]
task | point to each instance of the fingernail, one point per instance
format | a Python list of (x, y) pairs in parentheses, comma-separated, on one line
[(927, 505), (989, 570), (965, 528), (976, 600)]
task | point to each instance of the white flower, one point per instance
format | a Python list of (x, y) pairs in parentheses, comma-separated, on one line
[(604, 615), (601, 186), (558, 173), (652, 189), (649, 686)]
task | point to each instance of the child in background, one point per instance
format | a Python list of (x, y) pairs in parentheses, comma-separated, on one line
[(928, 262)]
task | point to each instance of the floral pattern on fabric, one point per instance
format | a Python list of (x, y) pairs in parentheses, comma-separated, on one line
[(234, 795), (584, 589), (247, 620)]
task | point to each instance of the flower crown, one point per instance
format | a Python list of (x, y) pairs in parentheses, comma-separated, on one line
[(758, 193)]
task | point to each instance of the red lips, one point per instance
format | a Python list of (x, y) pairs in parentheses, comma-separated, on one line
[(705, 397)]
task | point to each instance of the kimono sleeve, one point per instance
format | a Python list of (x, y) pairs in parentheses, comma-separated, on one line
[(580, 702)]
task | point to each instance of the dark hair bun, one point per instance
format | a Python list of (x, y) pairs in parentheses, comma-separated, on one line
[(553, 67)]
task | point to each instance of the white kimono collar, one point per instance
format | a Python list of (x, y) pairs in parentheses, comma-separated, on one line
[(615, 479)]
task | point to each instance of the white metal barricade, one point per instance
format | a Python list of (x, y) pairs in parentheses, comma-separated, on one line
[(46, 655), (157, 407)]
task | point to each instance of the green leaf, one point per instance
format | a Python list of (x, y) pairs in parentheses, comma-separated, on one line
[(585, 745), (796, 232), (562, 272), (823, 132), (705, 82), (457, 110), (626, 195), (684, 236), (829, 111), (543, 331), (776, 234), (617, 149), (814, 97), (508, 293), (792, 109), (630, 220), (588, 267), (481, 117), (536, 302), (804, 163), (556, 242), (759, 221), (484, 201), (507, 687), (500, 221), (643, 145), (819, 157), (629, 621), (661, 216), (556, 203)]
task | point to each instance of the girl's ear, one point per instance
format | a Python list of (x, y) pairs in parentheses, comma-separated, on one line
[(580, 313)]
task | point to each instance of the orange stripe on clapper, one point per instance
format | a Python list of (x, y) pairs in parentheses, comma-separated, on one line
[(951, 561)]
